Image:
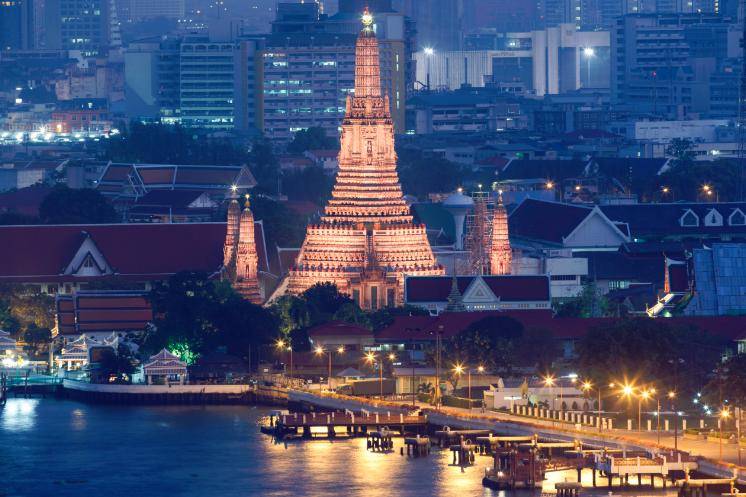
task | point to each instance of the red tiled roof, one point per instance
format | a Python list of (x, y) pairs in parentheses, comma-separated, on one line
[(136, 251), (507, 288), (337, 328), (495, 161), (206, 175), (156, 175), (102, 311), (116, 172)]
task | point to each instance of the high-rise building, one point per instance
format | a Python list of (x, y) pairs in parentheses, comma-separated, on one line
[(80, 25), (366, 241), (547, 61), (138, 10), (195, 81), (306, 78), (16, 24), (218, 83), (662, 62), (439, 23), (301, 26)]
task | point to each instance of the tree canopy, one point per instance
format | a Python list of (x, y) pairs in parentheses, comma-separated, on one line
[(65, 205), (311, 139), (196, 315), (649, 351), (168, 144), (421, 175)]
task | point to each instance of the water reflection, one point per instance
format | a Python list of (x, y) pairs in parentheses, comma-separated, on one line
[(19, 415), (194, 451)]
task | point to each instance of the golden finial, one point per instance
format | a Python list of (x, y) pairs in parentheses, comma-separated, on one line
[(367, 18)]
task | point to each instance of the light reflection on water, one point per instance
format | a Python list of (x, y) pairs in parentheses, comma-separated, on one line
[(19, 415), (64, 448)]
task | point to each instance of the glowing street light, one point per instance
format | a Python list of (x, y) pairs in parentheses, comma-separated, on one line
[(550, 185), (589, 52), (429, 51), (319, 350)]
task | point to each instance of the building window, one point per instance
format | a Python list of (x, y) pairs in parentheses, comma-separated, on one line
[(356, 296), (390, 297)]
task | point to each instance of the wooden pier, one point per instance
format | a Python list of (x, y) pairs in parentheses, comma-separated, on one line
[(351, 423)]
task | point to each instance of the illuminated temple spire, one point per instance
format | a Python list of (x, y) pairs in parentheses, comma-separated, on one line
[(501, 254), (247, 260), (366, 241)]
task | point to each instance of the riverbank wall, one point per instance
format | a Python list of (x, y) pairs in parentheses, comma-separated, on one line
[(174, 394)]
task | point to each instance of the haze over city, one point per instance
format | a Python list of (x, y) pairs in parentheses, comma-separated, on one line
[(372, 247)]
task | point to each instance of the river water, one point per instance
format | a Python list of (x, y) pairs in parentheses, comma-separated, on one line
[(64, 448)]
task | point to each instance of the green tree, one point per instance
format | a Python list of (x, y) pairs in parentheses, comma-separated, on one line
[(183, 309), (539, 348), (324, 299), (728, 383), (421, 175), (311, 139), (680, 149), (351, 313), (196, 315), (310, 184), (685, 181), (649, 351), (283, 227), (64, 205), (265, 168), (37, 340), (120, 365), (589, 304), (167, 144), (492, 342)]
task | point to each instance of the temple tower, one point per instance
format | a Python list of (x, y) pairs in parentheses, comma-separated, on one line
[(231, 234), (240, 259), (501, 254), (247, 261), (366, 240)]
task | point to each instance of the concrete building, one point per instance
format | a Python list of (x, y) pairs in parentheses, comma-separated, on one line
[(309, 30), (554, 60), (662, 62), (83, 26), (306, 79), (16, 25), (151, 72), (138, 10)]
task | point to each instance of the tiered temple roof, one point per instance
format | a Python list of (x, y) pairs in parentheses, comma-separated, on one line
[(366, 241)]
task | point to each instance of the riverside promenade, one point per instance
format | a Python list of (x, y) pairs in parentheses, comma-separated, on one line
[(707, 453)]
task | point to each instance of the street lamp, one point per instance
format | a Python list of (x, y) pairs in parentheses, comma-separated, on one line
[(587, 386), (285, 345), (644, 395), (550, 381), (672, 397), (724, 414), (319, 351)]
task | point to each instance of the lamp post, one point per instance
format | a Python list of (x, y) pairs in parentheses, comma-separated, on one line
[(549, 382), (458, 368), (587, 386), (724, 414), (429, 52), (671, 397), (319, 351), (644, 395), (285, 345)]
